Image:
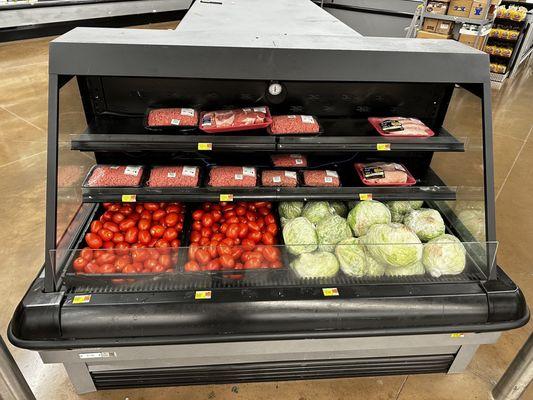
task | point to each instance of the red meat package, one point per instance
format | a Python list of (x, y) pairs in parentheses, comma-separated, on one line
[(321, 178), (232, 177), (235, 120), (115, 175), (400, 127), (172, 117), (293, 125), (289, 160), (384, 174), (178, 176), (279, 178)]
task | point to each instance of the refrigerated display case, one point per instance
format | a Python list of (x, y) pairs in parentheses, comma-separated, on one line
[(299, 312)]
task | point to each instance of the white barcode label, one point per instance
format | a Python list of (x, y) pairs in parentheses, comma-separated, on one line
[(114, 167), (291, 116), (332, 173), (188, 112), (328, 179), (298, 161), (276, 179), (188, 171), (171, 174), (174, 121), (260, 109), (131, 170), (248, 171), (246, 110), (290, 174), (239, 177), (307, 119)]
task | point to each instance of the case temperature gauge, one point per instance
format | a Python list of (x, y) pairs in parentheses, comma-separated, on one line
[(275, 89)]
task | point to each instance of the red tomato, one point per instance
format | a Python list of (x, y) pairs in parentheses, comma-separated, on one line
[(197, 226), (218, 237), (253, 225), (108, 245), (217, 215), (195, 236), (91, 268), (122, 248), (236, 252), (227, 262), (126, 224), (96, 226), (118, 237), (107, 268), (202, 256), (263, 211), (229, 214), (179, 226), (126, 210), (79, 264), (107, 216), (255, 236), (117, 218), (192, 266), (93, 240), (105, 257), (271, 253), (204, 241), (252, 263), (212, 248), (157, 231), (111, 226), (233, 231), (192, 250), (139, 208), (151, 206), (114, 207), (269, 219), (165, 261), (223, 228), (175, 243), (233, 220), (107, 205), (146, 215), (158, 214), (158, 269), (197, 215), (170, 234), (144, 224), (144, 237), (243, 230), (226, 207), (206, 232), (272, 228), (87, 254), (276, 264), (250, 216), (213, 265), (129, 269), (105, 234), (215, 227), (247, 244), (261, 222), (131, 235), (173, 208), (207, 220), (150, 263), (171, 219), (163, 245), (251, 207), (240, 211), (268, 238)]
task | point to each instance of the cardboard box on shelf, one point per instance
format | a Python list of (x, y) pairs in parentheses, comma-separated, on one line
[(478, 10), (437, 26), (445, 27), (469, 36), (460, 8), (437, 7), (430, 24), (431, 35)]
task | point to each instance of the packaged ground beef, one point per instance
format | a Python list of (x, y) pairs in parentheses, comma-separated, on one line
[(235, 120), (289, 160), (114, 175), (384, 174), (232, 177), (279, 178), (177, 176), (401, 127), (321, 178), (171, 117), (293, 125)]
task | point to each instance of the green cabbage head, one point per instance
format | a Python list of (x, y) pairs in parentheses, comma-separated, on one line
[(400, 207), (444, 255), (351, 255), (397, 217), (300, 236), (319, 264), (373, 267), (416, 204), (290, 209), (314, 211), (339, 208), (393, 244), (330, 231), (426, 223), (367, 213), (417, 268)]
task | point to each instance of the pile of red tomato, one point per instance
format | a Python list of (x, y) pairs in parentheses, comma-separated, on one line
[(233, 236), (133, 238)]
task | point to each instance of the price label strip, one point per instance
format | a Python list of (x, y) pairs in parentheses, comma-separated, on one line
[(329, 292), (383, 146), (81, 299), (205, 146), (457, 335), (226, 197), (202, 295), (129, 198), (365, 196)]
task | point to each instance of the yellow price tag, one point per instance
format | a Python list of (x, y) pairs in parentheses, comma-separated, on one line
[(205, 146), (202, 295), (457, 335), (332, 291), (80, 299), (129, 198), (383, 146), (226, 197), (365, 196)]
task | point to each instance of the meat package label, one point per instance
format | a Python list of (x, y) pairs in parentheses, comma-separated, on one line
[(307, 119), (391, 125), (188, 112), (373, 172), (174, 121), (260, 109), (189, 171), (248, 171), (332, 173), (130, 170), (298, 161), (290, 174), (207, 120), (239, 177), (276, 179), (171, 174), (328, 179)]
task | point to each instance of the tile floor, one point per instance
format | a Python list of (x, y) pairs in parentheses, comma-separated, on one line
[(23, 101)]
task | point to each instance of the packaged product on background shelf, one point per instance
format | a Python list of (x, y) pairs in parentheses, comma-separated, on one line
[(514, 13), (479, 9), (437, 7), (468, 34), (431, 35), (498, 68), (460, 8)]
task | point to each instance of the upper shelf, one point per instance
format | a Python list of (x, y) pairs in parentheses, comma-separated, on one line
[(473, 21), (339, 135)]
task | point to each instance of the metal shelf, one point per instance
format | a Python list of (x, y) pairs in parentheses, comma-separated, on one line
[(462, 20)]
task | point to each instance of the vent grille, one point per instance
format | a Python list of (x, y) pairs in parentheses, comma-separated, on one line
[(270, 371)]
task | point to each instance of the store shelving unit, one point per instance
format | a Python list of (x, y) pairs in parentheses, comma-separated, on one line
[(112, 331)]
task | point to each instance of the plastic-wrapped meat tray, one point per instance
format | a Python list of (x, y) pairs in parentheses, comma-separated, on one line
[(175, 118), (279, 178), (224, 176), (289, 160), (114, 176), (400, 127), (240, 119), (294, 125), (384, 174), (321, 178), (174, 176)]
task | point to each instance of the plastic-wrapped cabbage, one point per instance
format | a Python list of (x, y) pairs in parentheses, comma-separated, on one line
[(300, 236), (426, 223), (314, 211), (330, 231), (290, 209), (417, 268), (444, 255), (416, 204), (339, 208), (397, 217), (373, 267), (367, 213), (474, 221), (393, 244), (399, 207), (319, 264), (351, 255)]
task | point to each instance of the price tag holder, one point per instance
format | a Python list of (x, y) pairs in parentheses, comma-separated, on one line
[(82, 299), (383, 146), (129, 198), (457, 335), (330, 292), (365, 196), (226, 197), (205, 146), (202, 295)]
